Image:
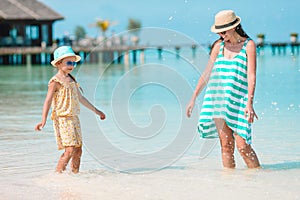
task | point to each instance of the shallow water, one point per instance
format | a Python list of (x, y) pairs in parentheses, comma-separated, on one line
[(139, 153)]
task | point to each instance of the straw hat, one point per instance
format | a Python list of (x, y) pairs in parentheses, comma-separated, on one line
[(225, 20), (63, 52)]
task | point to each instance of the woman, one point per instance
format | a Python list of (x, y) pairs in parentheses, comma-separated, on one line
[(230, 76)]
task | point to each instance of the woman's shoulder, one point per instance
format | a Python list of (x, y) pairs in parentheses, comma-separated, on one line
[(250, 45), (217, 43), (249, 42), (215, 47)]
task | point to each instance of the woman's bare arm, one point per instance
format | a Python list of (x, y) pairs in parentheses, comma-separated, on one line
[(204, 77)]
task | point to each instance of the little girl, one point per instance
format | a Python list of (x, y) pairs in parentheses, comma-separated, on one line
[(64, 97)]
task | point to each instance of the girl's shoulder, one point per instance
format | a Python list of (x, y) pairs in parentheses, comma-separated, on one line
[(55, 79)]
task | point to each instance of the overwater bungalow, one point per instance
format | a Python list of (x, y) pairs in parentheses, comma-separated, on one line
[(25, 23)]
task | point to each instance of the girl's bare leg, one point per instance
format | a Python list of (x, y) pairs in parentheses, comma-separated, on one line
[(227, 143), (64, 159), (75, 163), (247, 152)]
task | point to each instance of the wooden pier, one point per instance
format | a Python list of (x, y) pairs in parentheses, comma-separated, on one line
[(40, 56), (118, 54), (280, 48)]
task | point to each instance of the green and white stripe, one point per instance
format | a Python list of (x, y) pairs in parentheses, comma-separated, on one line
[(226, 96)]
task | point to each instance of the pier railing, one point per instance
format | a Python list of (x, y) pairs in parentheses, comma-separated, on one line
[(101, 54), (91, 54)]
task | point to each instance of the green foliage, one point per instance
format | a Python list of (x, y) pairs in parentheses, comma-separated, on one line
[(134, 25), (79, 32), (261, 35), (294, 34)]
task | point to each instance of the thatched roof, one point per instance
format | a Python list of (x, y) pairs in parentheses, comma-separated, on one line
[(27, 10)]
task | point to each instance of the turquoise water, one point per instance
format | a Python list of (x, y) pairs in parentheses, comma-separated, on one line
[(146, 130)]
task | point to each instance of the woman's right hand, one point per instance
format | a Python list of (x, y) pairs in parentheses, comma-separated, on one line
[(189, 108)]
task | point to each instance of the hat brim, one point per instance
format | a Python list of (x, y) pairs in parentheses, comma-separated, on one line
[(213, 28), (77, 58)]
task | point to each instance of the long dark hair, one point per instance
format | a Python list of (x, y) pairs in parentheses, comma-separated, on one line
[(241, 31), (73, 78), (214, 43)]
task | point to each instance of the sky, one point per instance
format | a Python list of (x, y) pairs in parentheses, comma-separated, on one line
[(193, 18)]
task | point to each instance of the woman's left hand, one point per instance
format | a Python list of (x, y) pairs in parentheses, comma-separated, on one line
[(250, 113)]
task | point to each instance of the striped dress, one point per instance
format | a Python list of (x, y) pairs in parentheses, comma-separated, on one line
[(226, 96)]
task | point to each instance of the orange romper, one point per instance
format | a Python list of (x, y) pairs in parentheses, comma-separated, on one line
[(65, 111)]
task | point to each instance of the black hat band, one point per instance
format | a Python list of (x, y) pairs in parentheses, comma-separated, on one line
[(227, 25)]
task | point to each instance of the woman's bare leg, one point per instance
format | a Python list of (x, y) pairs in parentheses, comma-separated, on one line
[(227, 143), (64, 159), (75, 163), (247, 152)]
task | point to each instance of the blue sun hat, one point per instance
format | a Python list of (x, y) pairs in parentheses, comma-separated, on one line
[(63, 52)]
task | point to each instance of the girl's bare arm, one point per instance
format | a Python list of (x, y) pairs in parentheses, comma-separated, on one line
[(53, 86), (90, 106)]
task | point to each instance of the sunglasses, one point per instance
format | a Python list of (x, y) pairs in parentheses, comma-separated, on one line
[(71, 63), (223, 33)]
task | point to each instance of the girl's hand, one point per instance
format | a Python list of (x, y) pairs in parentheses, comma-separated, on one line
[(101, 114), (189, 108), (39, 126), (250, 113)]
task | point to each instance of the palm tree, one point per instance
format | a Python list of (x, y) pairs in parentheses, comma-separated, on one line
[(79, 32), (134, 27), (294, 37), (260, 38), (103, 25)]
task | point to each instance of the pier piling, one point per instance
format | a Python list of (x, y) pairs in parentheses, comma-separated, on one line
[(119, 54)]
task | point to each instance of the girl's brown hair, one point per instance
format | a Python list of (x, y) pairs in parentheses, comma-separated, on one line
[(73, 78)]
